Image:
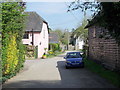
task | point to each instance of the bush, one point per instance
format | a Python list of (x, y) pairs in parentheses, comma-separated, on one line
[(50, 52), (10, 55), (55, 46), (31, 51), (21, 56)]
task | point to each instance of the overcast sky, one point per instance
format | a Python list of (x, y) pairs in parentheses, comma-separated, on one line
[(55, 13)]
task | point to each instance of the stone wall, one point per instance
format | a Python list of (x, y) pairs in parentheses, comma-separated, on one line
[(103, 48)]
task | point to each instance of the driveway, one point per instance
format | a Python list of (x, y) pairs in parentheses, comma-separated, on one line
[(51, 73)]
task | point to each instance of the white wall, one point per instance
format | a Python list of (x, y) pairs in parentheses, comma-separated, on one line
[(43, 39), (79, 43), (40, 40)]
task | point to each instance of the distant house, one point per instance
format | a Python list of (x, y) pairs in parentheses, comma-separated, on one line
[(53, 37), (103, 48), (36, 33), (77, 42)]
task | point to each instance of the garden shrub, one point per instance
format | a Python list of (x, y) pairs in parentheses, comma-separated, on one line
[(55, 46), (21, 56), (31, 51), (50, 52), (11, 54)]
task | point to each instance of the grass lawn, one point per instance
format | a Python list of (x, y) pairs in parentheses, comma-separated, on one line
[(112, 77)]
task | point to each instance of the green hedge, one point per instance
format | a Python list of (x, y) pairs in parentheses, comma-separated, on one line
[(9, 54), (55, 46), (13, 54)]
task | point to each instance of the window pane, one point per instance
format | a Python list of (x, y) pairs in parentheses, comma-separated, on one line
[(26, 36)]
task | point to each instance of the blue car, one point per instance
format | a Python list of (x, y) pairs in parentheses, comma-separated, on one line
[(74, 59)]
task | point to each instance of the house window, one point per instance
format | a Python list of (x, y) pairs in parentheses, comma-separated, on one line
[(26, 36)]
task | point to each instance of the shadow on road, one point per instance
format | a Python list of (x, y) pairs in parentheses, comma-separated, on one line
[(32, 84), (80, 78), (69, 78)]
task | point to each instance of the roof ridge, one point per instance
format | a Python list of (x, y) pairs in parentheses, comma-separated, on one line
[(37, 15)]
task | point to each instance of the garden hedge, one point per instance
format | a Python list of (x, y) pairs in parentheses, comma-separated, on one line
[(13, 23), (55, 46)]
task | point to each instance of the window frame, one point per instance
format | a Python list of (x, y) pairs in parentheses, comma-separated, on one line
[(26, 36)]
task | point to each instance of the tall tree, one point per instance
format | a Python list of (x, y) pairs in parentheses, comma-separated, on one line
[(63, 36), (59, 33)]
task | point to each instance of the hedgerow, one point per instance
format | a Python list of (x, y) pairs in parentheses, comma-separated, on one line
[(55, 46), (13, 21)]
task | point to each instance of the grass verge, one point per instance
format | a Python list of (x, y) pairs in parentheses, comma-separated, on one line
[(111, 76)]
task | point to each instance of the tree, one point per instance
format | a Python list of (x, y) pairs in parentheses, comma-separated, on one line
[(108, 12), (81, 31), (64, 39), (59, 33), (50, 30), (63, 36)]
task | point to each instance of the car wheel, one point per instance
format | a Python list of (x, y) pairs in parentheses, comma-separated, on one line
[(82, 65), (67, 67)]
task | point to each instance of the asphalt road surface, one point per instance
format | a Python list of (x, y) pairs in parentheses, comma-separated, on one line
[(51, 73)]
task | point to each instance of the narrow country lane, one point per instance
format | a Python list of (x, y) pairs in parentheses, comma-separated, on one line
[(51, 73)]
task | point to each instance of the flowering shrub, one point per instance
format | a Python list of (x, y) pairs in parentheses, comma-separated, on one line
[(50, 52), (55, 47), (11, 55)]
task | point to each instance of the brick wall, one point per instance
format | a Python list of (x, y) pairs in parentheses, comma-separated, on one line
[(103, 48)]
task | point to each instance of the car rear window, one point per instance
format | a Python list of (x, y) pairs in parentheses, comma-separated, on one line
[(73, 55)]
